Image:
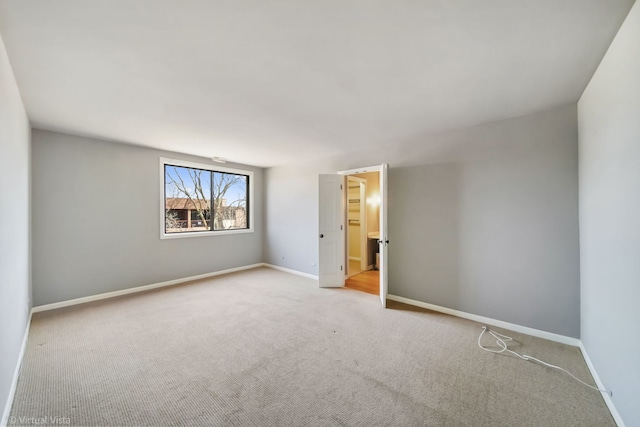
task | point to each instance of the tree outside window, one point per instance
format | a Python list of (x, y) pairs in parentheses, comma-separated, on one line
[(198, 200)]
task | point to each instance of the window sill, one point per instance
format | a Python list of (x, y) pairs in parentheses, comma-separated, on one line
[(188, 234)]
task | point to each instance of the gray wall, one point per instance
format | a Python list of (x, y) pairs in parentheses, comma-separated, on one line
[(15, 290), (483, 219), (96, 221), (609, 124)]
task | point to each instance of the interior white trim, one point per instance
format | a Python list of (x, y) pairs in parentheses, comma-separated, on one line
[(144, 288), (14, 382), (499, 323), (366, 169), (607, 399), (113, 294), (288, 270)]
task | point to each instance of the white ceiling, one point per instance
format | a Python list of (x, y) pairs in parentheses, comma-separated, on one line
[(268, 82)]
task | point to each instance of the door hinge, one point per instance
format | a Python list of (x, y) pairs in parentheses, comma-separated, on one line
[(341, 186), (341, 227), (340, 268)]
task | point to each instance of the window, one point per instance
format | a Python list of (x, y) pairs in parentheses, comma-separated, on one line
[(200, 200)]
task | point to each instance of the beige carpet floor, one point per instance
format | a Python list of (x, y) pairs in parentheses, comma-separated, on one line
[(266, 348)]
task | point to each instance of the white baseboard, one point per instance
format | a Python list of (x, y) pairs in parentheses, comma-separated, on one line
[(499, 323), (288, 270), (607, 398), (16, 373), (525, 330), (144, 288)]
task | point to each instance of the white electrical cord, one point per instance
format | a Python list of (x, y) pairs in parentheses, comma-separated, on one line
[(501, 342)]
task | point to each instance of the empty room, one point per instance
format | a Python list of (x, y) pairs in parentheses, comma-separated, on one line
[(321, 213)]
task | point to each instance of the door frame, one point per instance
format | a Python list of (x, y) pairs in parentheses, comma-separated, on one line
[(383, 241)]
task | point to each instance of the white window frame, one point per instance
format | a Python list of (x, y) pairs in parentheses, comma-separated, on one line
[(214, 168)]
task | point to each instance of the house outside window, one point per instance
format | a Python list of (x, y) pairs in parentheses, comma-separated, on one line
[(200, 200)]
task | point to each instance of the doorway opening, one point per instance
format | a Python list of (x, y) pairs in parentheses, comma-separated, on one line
[(363, 232), (357, 220)]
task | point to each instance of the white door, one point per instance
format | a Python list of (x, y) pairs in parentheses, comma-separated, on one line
[(384, 237), (331, 233)]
